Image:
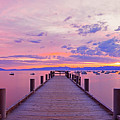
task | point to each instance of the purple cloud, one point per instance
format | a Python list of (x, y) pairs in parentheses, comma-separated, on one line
[(75, 25), (18, 41), (6, 63), (93, 28), (68, 18), (35, 41), (69, 48), (82, 49), (89, 16), (110, 47), (86, 29), (92, 59), (64, 46), (89, 41), (42, 47), (108, 35), (118, 29), (26, 56), (100, 14), (40, 34), (95, 43)]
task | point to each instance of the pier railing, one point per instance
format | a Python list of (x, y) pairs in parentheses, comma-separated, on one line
[(116, 105), (75, 79), (4, 111)]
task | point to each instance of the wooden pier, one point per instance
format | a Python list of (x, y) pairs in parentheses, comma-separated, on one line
[(59, 99)]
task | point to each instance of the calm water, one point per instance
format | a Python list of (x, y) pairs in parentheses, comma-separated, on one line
[(101, 86), (18, 85)]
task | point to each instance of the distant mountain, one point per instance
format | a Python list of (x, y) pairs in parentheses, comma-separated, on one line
[(41, 69), (65, 68), (2, 69)]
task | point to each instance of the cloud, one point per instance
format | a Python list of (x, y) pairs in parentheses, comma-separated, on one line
[(110, 47), (26, 56), (89, 41), (89, 16), (73, 51), (82, 49), (84, 30), (42, 47), (100, 14), (67, 47), (75, 25), (27, 40), (118, 29), (90, 52), (40, 34), (93, 59), (95, 43), (108, 35), (64, 46), (18, 41), (7, 63), (92, 28), (68, 18), (35, 41)]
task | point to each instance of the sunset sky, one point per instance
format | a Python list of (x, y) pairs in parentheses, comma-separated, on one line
[(53, 33)]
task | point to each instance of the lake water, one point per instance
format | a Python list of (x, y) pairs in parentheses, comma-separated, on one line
[(18, 85), (102, 86)]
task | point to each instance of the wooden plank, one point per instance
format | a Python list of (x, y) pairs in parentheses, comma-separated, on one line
[(59, 99)]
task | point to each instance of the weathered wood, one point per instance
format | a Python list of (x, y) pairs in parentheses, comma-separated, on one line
[(41, 79), (116, 105), (59, 99), (77, 78), (46, 77), (118, 117), (86, 84), (3, 102), (32, 84), (79, 81)]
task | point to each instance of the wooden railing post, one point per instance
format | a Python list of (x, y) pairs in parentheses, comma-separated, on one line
[(49, 76), (46, 77), (116, 105), (70, 75), (3, 102), (41, 80), (77, 78), (79, 82), (86, 84), (53, 73), (67, 74), (32, 84)]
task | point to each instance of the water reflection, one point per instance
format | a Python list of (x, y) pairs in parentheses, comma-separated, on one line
[(101, 86), (18, 85)]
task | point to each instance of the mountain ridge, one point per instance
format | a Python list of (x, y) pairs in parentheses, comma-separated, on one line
[(65, 68)]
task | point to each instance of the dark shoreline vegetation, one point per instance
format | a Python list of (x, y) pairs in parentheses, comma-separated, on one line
[(65, 68)]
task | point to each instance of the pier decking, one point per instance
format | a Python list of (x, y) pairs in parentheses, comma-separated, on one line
[(59, 99)]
